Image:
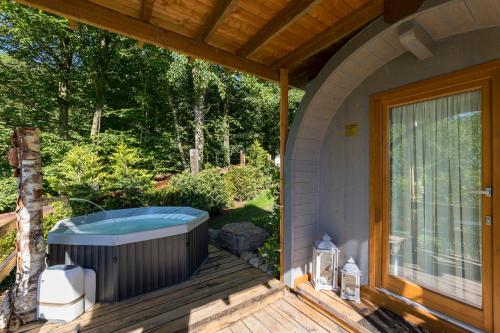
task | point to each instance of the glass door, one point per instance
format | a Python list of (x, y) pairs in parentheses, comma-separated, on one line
[(437, 202)]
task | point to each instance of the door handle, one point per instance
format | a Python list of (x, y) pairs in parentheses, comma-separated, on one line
[(486, 192)]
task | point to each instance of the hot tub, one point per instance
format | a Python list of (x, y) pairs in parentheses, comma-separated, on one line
[(132, 251)]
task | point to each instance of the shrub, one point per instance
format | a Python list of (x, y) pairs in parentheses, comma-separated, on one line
[(8, 194), (258, 157), (270, 251), (244, 182), (207, 191), (78, 174), (127, 182)]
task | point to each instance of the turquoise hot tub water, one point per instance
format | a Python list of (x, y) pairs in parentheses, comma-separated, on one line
[(122, 226)]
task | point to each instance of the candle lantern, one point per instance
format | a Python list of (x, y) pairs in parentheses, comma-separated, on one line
[(325, 264), (351, 281)]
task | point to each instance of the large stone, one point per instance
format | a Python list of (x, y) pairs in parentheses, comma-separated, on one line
[(242, 236)]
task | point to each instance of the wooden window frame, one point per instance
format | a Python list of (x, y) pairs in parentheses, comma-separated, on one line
[(486, 77)]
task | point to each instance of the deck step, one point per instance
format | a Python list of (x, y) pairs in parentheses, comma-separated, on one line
[(363, 318)]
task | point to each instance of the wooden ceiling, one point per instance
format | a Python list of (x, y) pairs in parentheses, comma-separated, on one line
[(255, 36)]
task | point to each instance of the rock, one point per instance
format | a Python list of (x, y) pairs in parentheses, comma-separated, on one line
[(242, 236), (213, 235), (247, 255), (263, 267), (255, 262)]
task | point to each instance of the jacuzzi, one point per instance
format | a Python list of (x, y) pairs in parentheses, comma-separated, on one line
[(132, 251)]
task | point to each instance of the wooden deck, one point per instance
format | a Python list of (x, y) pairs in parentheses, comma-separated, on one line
[(284, 316), (364, 318), (222, 291)]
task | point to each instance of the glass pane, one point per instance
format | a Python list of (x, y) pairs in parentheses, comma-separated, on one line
[(326, 269), (435, 219), (350, 285)]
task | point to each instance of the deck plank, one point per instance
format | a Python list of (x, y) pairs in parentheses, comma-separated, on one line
[(280, 316), (365, 317), (221, 283)]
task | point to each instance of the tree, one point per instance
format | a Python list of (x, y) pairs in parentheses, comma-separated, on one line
[(203, 75), (97, 48), (42, 40)]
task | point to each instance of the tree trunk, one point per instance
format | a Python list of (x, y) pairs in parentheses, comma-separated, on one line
[(225, 133), (63, 89), (30, 244), (199, 123), (177, 127), (100, 89), (62, 100)]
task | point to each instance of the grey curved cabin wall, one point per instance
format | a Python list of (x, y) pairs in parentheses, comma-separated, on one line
[(326, 174), (344, 163)]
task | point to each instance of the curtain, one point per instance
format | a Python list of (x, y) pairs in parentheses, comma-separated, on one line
[(435, 219)]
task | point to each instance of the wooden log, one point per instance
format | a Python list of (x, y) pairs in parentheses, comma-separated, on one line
[(194, 161), (30, 244)]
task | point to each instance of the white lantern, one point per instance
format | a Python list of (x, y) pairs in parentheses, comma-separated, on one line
[(351, 281), (325, 264)]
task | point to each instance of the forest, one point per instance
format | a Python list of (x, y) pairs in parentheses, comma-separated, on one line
[(117, 118)]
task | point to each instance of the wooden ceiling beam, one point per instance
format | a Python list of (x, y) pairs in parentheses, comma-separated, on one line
[(395, 10), (291, 12), (341, 29), (88, 12), (147, 9), (221, 10)]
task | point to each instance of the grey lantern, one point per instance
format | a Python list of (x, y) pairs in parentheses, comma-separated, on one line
[(325, 264), (351, 281)]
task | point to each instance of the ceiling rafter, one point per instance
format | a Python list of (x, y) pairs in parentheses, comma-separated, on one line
[(288, 15), (102, 17), (333, 34), (221, 10), (395, 10), (147, 9)]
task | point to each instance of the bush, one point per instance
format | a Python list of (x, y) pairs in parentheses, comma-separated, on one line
[(207, 191), (8, 194), (258, 157), (78, 175), (244, 182), (127, 182), (270, 251)]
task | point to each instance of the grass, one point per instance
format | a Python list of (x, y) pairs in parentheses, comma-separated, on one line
[(260, 206)]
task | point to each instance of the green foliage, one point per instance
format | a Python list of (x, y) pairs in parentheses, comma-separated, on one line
[(258, 157), (244, 182), (270, 251), (8, 194), (78, 175), (207, 191), (126, 181), (7, 245)]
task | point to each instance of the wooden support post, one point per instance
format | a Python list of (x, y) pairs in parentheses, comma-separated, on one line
[(194, 161), (243, 158), (30, 244), (283, 137)]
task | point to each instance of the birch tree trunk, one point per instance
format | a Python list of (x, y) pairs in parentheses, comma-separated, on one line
[(199, 123), (100, 81), (63, 88), (177, 127), (30, 244), (225, 133)]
